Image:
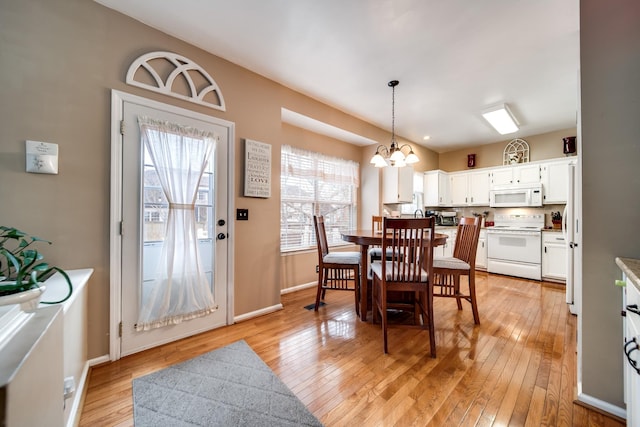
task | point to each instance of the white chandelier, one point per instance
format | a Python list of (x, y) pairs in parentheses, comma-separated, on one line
[(393, 154)]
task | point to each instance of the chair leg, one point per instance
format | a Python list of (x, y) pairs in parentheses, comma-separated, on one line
[(320, 290), (417, 310), (383, 309), (356, 281), (374, 298), (456, 290), (472, 293), (432, 329)]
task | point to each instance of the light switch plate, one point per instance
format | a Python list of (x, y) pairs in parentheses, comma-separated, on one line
[(42, 157), (242, 214)]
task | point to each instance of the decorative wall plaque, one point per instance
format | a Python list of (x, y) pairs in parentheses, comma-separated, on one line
[(177, 76), (257, 169), (516, 151)]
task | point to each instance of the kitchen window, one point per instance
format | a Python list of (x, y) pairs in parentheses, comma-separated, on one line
[(315, 184), (418, 196)]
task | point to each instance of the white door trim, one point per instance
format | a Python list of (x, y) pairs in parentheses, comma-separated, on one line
[(115, 239)]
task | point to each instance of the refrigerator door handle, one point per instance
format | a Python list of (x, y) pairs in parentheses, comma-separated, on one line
[(565, 233)]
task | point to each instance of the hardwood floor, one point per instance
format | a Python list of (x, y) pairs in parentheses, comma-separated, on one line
[(517, 368)]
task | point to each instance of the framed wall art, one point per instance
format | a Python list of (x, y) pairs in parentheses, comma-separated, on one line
[(257, 169)]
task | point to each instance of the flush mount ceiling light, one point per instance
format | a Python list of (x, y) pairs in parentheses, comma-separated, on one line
[(501, 119), (393, 154)]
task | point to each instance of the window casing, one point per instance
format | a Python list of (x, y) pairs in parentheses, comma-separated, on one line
[(315, 184)]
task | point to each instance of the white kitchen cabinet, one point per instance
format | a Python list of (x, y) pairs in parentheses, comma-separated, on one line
[(458, 188), (631, 331), (397, 185), (470, 188), (479, 183), (554, 256), (520, 174), (436, 188), (554, 178), (446, 250), (481, 253)]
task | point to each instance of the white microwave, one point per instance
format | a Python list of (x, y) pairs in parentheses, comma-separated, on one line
[(511, 196)]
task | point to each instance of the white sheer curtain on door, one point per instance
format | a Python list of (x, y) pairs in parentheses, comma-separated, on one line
[(180, 289)]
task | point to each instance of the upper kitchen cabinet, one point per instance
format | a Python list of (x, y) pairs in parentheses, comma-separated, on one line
[(470, 188), (554, 177), (436, 188), (479, 183), (397, 185), (520, 174)]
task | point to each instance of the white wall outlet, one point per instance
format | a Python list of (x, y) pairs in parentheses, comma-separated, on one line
[(42, 157)]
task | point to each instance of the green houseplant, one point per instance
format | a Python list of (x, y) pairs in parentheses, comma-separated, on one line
[(22, 266)]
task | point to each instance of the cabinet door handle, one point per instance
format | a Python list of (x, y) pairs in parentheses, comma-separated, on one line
[(633, 308), (627, 352), (545, 249)]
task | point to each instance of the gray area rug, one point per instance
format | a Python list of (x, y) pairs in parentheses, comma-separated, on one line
[(230, 386)]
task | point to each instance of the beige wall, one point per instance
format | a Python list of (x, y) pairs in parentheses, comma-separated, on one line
[(60, 60), (541, 147), (610, 99)]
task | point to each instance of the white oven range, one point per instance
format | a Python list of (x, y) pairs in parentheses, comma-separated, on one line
[(514, 246)]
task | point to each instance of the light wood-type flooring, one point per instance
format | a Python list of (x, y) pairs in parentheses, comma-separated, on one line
[(515, 369)]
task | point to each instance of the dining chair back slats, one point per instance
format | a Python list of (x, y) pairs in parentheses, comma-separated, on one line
[(321, 236), (467, 240), (448, 270), (376, 222), (403, 281)]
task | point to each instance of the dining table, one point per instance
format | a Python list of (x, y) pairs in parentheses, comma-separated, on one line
[(365, 239)]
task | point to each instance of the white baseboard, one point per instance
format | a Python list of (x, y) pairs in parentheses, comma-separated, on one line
[(98, 360), (298, 288), (257, 313), (78, 396), (601, 404)]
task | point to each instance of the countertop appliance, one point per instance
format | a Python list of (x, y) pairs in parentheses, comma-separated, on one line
[(514, 246), (447, 218), (571, 234), (515, 195)]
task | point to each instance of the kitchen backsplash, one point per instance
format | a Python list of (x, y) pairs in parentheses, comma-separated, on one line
[(469, 211), (546, 209)]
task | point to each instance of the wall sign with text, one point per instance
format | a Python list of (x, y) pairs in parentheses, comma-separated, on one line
[(257, 169)]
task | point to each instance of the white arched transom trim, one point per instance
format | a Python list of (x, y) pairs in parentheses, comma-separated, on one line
[(176, 76)]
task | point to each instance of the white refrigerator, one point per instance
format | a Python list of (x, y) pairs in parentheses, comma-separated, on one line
[(572, 237)]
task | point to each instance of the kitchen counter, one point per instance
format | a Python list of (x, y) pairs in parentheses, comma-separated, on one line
[(631, 268)]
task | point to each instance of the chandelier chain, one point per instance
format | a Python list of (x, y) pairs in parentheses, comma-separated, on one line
[(393, 154)]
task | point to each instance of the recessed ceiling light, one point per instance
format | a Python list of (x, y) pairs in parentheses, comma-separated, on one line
[(426, 137)]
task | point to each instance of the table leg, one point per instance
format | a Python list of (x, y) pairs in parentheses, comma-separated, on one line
[(364, 263)]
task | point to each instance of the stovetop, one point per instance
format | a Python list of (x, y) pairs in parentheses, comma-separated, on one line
[(533, 222)]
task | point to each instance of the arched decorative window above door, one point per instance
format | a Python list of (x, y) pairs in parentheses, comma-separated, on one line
[(177, 76)]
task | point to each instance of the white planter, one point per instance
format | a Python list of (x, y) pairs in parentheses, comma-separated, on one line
[(28, 300)]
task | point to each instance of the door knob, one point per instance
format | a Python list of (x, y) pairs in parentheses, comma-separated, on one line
[(222, 236)]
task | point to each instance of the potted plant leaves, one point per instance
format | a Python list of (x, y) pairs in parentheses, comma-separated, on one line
[(23, 269)]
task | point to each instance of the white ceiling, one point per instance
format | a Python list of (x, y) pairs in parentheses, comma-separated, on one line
[(453, 58)]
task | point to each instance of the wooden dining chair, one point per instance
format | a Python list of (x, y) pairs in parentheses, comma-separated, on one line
[(336, 270), (375, 253), (448, 270), (405, 282)]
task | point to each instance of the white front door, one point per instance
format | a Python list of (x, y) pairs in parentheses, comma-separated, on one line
[(143, 210)]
